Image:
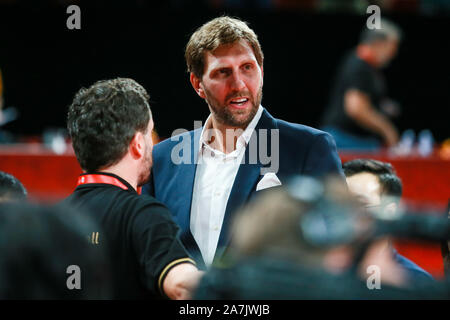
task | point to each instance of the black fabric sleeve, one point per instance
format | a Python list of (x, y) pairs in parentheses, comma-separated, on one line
[(157, 245), (359, 79)]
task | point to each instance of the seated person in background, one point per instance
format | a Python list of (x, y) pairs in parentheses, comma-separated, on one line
[(358, 112), (11, 189), (377, 186), (111, 127), (42, 247)]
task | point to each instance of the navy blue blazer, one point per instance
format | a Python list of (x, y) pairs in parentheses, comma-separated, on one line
[(302, 150)]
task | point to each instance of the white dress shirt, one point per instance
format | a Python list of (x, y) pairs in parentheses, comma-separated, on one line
[(214, 179)]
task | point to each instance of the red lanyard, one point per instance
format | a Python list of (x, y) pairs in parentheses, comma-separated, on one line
[(100, 178)]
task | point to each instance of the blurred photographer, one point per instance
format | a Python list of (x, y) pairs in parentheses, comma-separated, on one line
[(306, 240), (378, 188)]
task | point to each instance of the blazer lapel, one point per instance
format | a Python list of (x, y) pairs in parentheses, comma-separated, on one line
[(185, 186)]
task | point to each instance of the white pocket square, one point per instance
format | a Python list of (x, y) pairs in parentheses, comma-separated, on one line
[(270, 179)]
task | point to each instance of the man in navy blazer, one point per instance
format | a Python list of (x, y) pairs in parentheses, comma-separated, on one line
[(205, 175)]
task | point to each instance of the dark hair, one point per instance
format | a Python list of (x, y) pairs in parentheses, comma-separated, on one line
[(391, 185), (11, 188), (388, 30), (38, 244), (211, 35), (103, 119)]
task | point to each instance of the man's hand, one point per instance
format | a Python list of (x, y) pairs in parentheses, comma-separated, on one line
[(181, 281)]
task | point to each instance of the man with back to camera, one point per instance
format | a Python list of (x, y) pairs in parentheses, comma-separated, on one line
[(111, 126), (205, 175), (377, 187), (358, 113)]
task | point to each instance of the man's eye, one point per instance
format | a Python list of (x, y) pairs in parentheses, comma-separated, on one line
[(248, 67)]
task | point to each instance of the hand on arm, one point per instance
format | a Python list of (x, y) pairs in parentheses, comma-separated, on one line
[(358, 106)]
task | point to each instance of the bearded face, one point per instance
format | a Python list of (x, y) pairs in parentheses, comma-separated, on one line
[(231, 84)]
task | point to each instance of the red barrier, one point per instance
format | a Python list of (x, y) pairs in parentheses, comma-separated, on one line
[(47, 176), (50, 177)]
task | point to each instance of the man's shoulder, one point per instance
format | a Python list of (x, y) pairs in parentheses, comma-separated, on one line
[(118, 200), (147, 202), (299, 132), (299, 128), (145, 208)]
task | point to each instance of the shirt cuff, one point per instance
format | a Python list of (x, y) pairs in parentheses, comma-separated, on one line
[(168, 267)]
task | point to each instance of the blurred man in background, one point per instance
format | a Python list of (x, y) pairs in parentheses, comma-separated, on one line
[(379, 189), (11, 189), (358, 111)]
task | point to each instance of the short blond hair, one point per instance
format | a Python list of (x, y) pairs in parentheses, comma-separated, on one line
[(211, 35)]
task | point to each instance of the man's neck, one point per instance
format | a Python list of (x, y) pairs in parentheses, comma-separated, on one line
[(225, 137), (123, 171)]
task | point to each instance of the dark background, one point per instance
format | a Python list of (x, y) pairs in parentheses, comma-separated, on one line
[(44, 64)]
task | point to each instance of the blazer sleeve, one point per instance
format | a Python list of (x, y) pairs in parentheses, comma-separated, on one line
[(322, 158)]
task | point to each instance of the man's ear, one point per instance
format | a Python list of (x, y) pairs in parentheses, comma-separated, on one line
[(197, 85), (137, 146)]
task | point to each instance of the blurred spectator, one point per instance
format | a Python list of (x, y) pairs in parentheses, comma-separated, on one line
[(11, 189), (303, 241), (39, 244), (358, 111), (378, 188)]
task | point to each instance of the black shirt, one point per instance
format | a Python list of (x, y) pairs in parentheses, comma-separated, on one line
[(353, 73), (139, 232)]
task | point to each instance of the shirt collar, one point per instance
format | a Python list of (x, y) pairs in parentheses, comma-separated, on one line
[(243, 139)]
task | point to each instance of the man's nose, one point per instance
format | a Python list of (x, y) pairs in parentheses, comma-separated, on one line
[(237, 81)]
